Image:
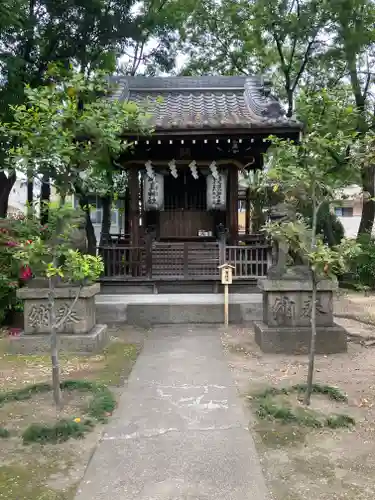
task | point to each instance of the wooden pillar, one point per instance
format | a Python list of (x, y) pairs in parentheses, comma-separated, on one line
[(127, 211), (142, 213), (233, 203), (247, 214), (134, 192)]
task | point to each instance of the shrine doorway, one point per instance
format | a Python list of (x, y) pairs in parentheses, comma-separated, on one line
[(185, 214)]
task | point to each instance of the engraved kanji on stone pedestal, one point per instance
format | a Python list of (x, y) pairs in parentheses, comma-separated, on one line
[(78, 333), (286, 328)]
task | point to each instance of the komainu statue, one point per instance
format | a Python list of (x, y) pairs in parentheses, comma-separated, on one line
[(287, 261)]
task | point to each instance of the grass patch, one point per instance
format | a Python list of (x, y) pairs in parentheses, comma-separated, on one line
[(336, 421), (23, 393), (57, 433), (332, 393), (268, 408), (101, 406), (272, 404), (4, 433)]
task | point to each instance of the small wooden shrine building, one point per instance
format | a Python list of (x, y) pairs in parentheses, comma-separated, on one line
[(181, 218)]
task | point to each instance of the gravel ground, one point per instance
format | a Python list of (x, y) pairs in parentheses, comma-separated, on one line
[(301, 463)]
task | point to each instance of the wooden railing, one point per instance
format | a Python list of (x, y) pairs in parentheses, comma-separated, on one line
[(187, 260), (183, 261), (123, 262), (248, 261)]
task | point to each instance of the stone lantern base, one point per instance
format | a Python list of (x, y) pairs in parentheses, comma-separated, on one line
[(286, 318), (79, 333)]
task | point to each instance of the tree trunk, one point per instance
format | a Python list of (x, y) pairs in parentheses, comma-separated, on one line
[(6, 184), (367, 173), (368, 210), (106, 220), (90, 232), (257, 219), (45, 195), (54, 344), (310, 373), (290, 98)]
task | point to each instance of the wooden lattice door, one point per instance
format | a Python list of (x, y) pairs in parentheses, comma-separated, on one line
[(185, 208)]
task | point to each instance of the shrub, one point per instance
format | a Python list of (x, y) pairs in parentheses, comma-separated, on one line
[(25, 252), (14, 231), (363, 265), (4, 433)]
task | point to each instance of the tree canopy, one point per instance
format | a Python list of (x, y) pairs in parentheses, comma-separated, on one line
[(88, 35), (302, 46)]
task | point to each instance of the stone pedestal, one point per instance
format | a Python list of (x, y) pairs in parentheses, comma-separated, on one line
[(286, 318), (79, 333)]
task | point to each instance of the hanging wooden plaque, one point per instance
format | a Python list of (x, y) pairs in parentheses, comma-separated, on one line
[(153, 192), (216, 192)]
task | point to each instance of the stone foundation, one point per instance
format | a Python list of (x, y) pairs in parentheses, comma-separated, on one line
[(88, 343), (286, 327), (288, 340)]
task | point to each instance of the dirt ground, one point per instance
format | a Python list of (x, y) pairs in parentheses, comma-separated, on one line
[(302, 463), (52, 472)]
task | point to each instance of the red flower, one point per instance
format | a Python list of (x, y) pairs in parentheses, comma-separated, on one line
[(14, 332), (26, 273)]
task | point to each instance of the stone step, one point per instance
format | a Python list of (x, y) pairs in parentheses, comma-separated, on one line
[(148, 310)]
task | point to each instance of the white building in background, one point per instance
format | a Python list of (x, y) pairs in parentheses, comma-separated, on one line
[(348, 209), (18, 205), (18, 198), (96, 215)]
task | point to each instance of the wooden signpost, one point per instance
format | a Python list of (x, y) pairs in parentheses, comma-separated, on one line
[(226, 280)]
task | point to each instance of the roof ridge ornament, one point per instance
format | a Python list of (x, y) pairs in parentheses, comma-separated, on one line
[(273, 107), (261, 101)]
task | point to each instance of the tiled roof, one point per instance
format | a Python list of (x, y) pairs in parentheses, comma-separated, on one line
[(206, 102)]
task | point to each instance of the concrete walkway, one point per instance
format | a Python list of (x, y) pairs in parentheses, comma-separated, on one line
[(179, 432)]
